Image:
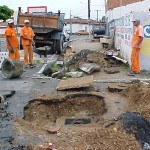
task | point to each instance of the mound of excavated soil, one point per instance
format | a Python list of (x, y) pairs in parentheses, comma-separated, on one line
[(91, 57), (46, 112), (94, 139), (138, 95), (100, 59)]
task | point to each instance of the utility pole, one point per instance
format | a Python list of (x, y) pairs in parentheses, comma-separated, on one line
[(120, 8), (70, 24), (89, 12), (97, 13)]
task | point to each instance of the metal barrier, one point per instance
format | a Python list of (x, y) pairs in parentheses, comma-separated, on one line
[(2, 44), (3, 56), (3, 51)]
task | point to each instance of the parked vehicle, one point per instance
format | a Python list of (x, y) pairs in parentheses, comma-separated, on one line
[(81, 32), (48, 29), (98, 31), (66, 35)]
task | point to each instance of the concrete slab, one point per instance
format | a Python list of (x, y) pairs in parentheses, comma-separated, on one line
[(75, 83), (89, 68)]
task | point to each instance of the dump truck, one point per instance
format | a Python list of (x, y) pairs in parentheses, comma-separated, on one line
[(48, 29)]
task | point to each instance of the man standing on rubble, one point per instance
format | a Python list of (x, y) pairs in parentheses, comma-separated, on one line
[(27, 35), (12, 41), (137, 41)]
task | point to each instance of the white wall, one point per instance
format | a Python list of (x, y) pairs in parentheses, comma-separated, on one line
[(121, 11), (119, 20), (77, 27)]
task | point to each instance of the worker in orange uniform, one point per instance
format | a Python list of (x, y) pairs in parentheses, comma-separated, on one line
[(27, 35), (137, 42), (12, 43)]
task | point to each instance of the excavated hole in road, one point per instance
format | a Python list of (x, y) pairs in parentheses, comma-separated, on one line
[(65, 109)]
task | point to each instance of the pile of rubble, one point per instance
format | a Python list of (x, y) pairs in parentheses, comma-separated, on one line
[(82, 63)]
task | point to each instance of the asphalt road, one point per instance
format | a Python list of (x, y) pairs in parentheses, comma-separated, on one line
[(73, 37), (26, 88)]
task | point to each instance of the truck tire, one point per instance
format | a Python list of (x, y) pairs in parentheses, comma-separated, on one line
[(59, 46), (54, 47)]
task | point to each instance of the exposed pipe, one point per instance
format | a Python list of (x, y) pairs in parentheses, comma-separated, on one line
[(122, 60)]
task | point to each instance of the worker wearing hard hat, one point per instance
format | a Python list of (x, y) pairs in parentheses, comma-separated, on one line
[(12, 41), (27, 35), (137, 43)]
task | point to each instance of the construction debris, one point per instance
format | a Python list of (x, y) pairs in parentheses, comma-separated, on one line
[(75, 83), (89, 68)]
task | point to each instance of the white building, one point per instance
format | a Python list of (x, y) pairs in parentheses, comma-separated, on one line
[(119, 22), (77, 24)]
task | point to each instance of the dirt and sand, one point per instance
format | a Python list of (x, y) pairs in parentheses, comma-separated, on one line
[(89, 56), (103, 134), (51, 112), (138, 96), (45, 117)]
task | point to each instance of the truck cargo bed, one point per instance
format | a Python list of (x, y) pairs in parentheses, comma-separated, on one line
[(38, 22)]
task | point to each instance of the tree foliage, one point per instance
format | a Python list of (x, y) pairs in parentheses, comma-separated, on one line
[(5, 12)]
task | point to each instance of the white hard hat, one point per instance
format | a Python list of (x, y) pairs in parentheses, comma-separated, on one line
[(26, 21), (136, 20), (10, 21)]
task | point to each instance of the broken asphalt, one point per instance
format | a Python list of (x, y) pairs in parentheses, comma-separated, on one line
[(18, 92)]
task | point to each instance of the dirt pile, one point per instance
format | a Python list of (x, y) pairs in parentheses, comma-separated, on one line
[(91, 57), (100, 59), (138, 95), (47, 113), (94, 138)]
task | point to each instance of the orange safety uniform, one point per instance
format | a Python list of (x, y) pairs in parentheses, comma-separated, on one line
[(135, 59), (10, 32), (27, 32)]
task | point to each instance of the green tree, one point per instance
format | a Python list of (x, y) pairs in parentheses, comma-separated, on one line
[(5, 13)]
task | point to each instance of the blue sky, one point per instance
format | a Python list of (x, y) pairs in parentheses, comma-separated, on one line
[(77, 7)]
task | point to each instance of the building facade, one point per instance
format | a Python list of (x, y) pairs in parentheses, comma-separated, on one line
[(117, 8), (76, 24), (111, 4), (119, 23)]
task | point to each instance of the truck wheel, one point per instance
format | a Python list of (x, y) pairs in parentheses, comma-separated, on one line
[(54, 47), (57, 47)]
